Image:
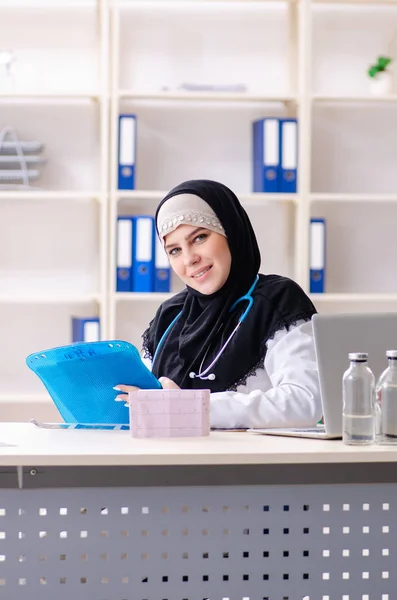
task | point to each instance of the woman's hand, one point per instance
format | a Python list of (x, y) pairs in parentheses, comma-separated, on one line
[(166, 384), (125, 390)]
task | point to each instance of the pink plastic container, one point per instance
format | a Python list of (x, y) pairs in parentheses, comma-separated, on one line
[(169, 413)]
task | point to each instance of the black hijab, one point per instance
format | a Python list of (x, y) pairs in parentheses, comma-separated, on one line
[(205, 321)]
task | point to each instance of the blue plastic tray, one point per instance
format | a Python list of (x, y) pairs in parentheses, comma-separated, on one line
[(80, 378)]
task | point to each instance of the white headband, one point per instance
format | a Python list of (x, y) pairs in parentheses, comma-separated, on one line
[(187, 209)]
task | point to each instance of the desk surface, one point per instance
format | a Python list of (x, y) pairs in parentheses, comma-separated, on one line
[(45, 447)]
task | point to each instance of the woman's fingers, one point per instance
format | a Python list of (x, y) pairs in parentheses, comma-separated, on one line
[(122, 398), (168, 384), (126, 389)]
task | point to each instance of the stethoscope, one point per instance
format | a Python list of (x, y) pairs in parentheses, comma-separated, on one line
[(203, 374)]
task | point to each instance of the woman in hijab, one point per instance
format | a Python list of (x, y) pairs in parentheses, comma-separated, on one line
[(266, 374)]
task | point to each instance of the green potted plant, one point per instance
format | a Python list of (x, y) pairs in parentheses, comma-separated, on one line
[(380, 73), (380, 76)]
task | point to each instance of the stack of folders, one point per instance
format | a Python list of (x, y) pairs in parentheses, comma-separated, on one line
[(275, 155), (127, 152), (142, 263), (86, 329), (317, 255)]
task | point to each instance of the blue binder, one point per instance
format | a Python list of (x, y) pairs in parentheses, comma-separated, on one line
[(266, 155), (143, 254), (288, 156), (317, 256), (124, 254), (127, 152), (162, 271), (86, 329)]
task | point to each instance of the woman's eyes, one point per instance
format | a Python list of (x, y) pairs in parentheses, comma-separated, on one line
[(199, 238)]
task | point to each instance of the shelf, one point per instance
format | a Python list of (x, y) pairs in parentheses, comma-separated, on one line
[(245, 198), (340, 298), (58, 97), (369, 2), (324, 99), (48, 299), (28, 398), (141, 297), (147, 195), (170, 3), (37, 194), (49, 4), (206, 97), (377, 198), (259, 198)]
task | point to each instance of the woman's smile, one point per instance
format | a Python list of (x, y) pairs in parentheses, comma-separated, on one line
[(201, 273)]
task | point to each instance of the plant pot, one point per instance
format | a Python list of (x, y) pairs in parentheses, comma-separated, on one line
[(381, 84)]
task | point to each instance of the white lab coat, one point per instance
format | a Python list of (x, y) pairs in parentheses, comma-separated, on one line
[(285, 393)]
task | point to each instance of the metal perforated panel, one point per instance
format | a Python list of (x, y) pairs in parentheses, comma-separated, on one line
[(189, 543)]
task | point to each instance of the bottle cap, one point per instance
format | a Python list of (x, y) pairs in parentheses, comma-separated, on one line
[(358, 356), (391, 354)]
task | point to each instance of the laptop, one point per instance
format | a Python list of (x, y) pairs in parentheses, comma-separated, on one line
[(335, 335)]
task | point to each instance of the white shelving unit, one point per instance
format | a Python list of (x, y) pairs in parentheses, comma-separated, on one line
[(303, 58), (184, 135), (309, 82), (53, 237), (352, 180)]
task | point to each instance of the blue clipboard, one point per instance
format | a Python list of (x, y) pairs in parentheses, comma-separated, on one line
[(80, 378)]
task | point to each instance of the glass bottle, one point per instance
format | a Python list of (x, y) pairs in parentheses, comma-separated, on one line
[(358, 401), (386, 402)]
